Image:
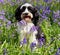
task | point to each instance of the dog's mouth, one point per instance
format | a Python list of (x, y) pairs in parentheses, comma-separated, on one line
[(27, 18)]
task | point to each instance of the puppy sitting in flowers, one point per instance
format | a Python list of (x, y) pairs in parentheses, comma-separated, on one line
[(27, 16)]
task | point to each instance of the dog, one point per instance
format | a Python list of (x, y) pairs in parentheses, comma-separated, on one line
[(27, 16)]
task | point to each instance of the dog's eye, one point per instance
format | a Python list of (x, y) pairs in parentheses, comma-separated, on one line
[(30, 8), (24, 7)]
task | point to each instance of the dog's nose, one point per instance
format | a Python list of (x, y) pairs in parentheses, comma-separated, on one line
[(26, 13)]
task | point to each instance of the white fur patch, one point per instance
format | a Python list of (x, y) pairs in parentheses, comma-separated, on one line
[(24, 31), (26, 4)]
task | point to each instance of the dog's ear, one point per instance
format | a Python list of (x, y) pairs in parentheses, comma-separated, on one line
[(35, 16), (18, 13)]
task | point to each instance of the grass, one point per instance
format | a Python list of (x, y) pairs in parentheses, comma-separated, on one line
[(9, 37), (12, 45)]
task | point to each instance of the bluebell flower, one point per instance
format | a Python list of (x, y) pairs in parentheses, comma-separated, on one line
[(9, 1), (37, 27), (12, 3), (23, 42), (32, 46), (1, 1), (41, 41), (48, 1), (56, 14), (45, 0), (23, 1), (39, 7), (44, 16), (55, 20), (58, 23), (33, 28), (58, 51), (22, 22), (2, 12), (17, 1), (9, 22), (2, 17), (46, 10)]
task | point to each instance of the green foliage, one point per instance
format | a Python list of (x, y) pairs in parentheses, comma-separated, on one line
[(9, 38)]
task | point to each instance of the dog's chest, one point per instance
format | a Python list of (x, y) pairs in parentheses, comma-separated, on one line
[(27, 28), (27, 31)]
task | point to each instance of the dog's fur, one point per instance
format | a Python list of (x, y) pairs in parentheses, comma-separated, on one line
[(30, 16), (33, 10)]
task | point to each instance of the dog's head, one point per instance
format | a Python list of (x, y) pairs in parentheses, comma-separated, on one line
[(27, 12)]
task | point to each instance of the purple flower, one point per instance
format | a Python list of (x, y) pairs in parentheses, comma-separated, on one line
[(46, 10), (48, 1), (12, 3), (22, 22), (32, 45), (2, 17), (58, 51), (9, 1), (56, 14), (23, 1), (39, 7), (33, 28), (1, 1), (58, 23), (2, 12), (44, 16), (9, 22), (55, 20), (23, 42), (45, 0), (37, 27), (17, 1), (41, 41)]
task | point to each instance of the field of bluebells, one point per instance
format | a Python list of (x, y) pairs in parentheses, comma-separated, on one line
[(49, 11)]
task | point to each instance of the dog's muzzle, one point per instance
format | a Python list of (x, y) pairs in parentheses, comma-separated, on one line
[(26, 16)]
